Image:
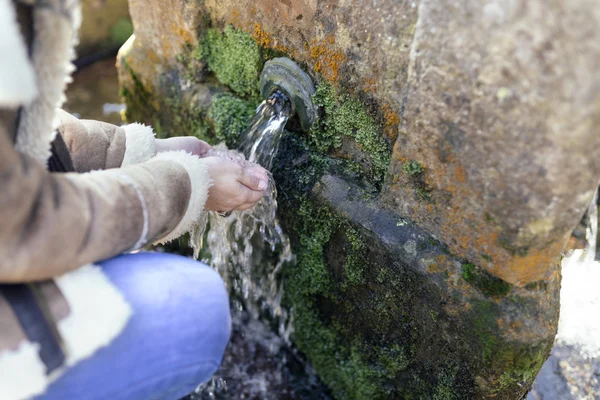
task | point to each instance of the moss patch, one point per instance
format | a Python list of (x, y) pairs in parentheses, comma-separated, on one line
[(359, 316), (344, 117), (340, 359), (186, 119), (230, 117), (487, 284), (137, 98), (413, 167), (235, 59), (514, 366), (416, 175)]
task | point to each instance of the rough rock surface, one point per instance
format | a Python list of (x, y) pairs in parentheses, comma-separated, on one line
[(429, 206)]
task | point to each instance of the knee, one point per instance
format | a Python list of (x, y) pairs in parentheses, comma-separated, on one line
[(213, 317), (185, 294)]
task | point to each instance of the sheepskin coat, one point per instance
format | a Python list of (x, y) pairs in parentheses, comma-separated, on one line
[(54, 226)]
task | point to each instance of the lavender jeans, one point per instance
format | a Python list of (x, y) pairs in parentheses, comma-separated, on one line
[(174, 340)]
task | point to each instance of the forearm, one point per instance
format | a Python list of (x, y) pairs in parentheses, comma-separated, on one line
[(95, 145), (52, 223)]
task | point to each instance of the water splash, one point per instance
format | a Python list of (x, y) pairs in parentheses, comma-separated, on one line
[(249, 248)]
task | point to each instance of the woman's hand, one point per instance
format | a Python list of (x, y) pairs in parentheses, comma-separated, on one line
[(189, 144), (234, 187)]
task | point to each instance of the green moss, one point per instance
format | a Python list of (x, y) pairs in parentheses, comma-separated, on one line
[(485, 327), (415, 172), (235, 59), (230, 117), (137, 98), (186, 119), (514, 365), (539, 285), (468, 272), (355, 262), (423, 193), (521, 364), (487, 284), (345, 117), (339, 364), (351, 370), (190, 67), (413, 167), (446, 384)]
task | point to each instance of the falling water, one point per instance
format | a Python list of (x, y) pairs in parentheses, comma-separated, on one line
[(248, 248)]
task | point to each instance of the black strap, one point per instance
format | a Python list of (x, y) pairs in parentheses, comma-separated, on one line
[(60, 161), (24, 302)]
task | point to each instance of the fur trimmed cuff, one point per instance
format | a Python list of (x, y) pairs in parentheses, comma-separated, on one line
[(139, 144), (200, 181)]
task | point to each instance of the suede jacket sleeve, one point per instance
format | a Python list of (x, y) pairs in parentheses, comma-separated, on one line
[(52, 222), (96, 145)]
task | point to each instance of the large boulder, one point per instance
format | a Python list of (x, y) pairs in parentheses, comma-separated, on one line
[(429, 205)]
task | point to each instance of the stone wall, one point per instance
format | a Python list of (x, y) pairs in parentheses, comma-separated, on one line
[(429, 206)]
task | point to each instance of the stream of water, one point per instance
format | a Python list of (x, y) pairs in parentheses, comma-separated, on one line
[(249, 248)]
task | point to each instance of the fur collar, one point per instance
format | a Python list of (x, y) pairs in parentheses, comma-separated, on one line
[(55, 34), (17, 78)]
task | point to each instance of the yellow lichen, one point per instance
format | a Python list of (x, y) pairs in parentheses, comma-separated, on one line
[(326, 60)]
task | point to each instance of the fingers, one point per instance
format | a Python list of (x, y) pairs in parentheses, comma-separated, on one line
[(189, 144), (201, 148), (254, 178), (251, 196)]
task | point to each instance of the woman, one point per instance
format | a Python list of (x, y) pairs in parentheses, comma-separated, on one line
[(74, 193)]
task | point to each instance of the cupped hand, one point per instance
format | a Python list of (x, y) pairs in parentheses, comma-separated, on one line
[(189, 144), (234, 187)]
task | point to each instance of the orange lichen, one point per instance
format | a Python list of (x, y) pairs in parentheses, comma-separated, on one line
[(459, 173), (391, 122), (371, 85), (326, 60), (534, 266), (151, 55), (467, 232), (265, 39), (441, 264), (184, 34)]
